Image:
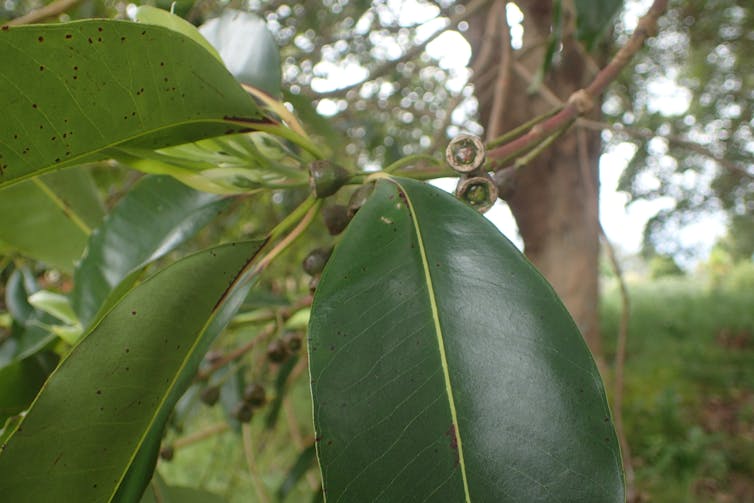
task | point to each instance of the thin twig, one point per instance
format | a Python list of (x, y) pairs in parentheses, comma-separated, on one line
[(248, 450), (674, 140), (620, 360), (389, 66), (37, 15), (502, 87), (235, 354), (200, 435), (582, 101)]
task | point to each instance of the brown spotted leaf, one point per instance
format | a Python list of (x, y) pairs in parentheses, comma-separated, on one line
[(71, 91)]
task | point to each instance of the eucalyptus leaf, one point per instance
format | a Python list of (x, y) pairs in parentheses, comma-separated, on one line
[(93, 85), (52, 216), (445, 368), (121, 381), (153, 218)]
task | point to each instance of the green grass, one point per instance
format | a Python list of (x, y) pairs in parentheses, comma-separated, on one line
[(689, 388)]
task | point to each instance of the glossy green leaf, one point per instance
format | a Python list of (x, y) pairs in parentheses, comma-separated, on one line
[(153, 218), (120, 382), (594, 18), (20, 382), (444, 367), (52, 216), (69, 92)]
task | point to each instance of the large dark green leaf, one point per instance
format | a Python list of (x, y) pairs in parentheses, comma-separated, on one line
[(71, 91), (593, 18), (52, 216), (444, 368), (100, 406), (155, 216)]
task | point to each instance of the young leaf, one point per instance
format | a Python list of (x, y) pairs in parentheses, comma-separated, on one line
[(445, 368), (71, 91), (101, 405), (155, 216), (52, 216)]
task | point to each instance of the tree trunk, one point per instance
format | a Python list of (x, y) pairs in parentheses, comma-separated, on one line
[(555, 200)]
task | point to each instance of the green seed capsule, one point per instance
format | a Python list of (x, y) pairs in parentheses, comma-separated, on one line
[(336, 218), (479, 192), (293, 341), (243, 412), (315, 262), (277, 352), (255, 395), (358, 198), (326, 178), (167, 452), (210, 395)]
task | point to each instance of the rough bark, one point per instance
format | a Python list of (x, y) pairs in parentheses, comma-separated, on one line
[(555, 201)]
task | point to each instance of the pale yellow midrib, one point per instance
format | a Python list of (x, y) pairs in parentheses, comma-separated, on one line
[(440, 342)]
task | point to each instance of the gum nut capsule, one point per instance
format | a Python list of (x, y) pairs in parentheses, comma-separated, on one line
[(292, 340), (326, 178), (465, 153), (315, 262), (313, 284), (336, 218), (254, 394), (210, 395), (242, 412), (479, 192), (358, 198), (167, 452), (276, 351)]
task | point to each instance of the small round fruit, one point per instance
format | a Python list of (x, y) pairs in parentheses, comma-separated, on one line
[(292, 340), (315, 262), (326, 178), (255, 395), (277, 351), (336, 218), (210, 395), (242, 412), (167, 452)]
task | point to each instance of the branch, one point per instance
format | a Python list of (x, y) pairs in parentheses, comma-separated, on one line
[(51, 10), (388, 66), (504, 71), (582, 101), (674, 140)]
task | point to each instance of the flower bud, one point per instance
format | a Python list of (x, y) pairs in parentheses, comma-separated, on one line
[(336, 218), (326, 178), (255, 395), (315, 262)]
